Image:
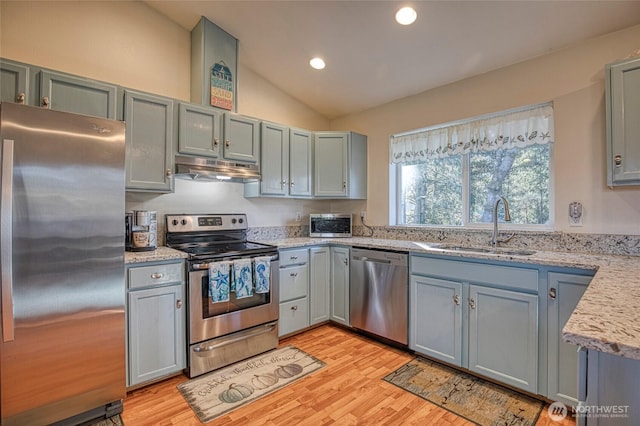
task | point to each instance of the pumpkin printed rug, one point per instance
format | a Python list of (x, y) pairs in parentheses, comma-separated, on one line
[(226, 389)]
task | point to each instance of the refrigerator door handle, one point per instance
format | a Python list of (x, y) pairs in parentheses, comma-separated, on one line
[(6, 249)]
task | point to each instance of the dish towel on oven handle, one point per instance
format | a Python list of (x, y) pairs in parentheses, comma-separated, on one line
[(262, 273), (219, 283), (242, 278)]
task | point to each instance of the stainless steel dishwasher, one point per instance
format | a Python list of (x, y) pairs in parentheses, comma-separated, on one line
[(378, 294)]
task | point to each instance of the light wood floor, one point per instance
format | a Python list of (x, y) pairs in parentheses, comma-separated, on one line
[(348, 391)]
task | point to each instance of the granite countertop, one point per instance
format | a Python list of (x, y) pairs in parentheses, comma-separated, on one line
[(606, 319), (159, 254)]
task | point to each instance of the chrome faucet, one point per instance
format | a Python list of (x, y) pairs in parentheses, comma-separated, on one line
[(507, 217)]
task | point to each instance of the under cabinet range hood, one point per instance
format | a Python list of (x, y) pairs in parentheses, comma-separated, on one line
[(208, 169)]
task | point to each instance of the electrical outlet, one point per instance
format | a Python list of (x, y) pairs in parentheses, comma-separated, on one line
[(363, 215), (575, 213), (298, 216)]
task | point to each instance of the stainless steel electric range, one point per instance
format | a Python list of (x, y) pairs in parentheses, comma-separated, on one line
[(223, 332)]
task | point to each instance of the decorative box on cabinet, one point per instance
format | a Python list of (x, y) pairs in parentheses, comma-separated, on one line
[(340, 165), (294, 290), (622, 90), (149, 142), (477, 316), (156, 322)]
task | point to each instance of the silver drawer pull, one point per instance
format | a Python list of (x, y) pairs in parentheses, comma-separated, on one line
[(552, 293), (157, 275), (293, 257), (456, 299), (293, 274), (294, 308), (178, 303)]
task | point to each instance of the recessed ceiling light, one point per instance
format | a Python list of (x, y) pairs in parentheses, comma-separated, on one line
[(406, 16), (317, 63)]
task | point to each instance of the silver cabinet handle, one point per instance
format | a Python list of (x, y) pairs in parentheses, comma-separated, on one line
[(178, 303), (456, 299), (552, 293), (157, 275), (344, 185), (293, 274), (294, 308), (472, 303), (169, 173), (6, 244), (292, 183), (227, 143), (21, 98), (216, 141), (346, 261), (617, 160), (45, 101), (293, 257)]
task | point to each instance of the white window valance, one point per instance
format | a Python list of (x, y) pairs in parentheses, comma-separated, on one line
[(514, 129)]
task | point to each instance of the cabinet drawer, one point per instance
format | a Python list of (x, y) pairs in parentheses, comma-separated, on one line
[(294, 316), (145, 276), (494, 275), (294, 282), (294, 257)]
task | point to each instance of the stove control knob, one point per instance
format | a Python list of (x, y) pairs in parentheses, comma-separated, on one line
[(174, 222), (233, 220), (240, 220), (183, 221)]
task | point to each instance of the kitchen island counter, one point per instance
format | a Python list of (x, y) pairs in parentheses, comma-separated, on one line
[(607, 318)]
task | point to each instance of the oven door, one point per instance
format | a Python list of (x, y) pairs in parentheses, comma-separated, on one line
[(209, 320)]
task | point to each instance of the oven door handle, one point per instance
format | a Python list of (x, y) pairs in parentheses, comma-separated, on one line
[(267, 328)]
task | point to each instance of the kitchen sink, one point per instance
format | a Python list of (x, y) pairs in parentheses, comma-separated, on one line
[(470, 249)]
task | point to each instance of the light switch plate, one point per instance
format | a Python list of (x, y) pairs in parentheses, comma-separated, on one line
[(576, 213)]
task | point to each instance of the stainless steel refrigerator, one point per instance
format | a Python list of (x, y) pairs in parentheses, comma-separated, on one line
[(62, 265)]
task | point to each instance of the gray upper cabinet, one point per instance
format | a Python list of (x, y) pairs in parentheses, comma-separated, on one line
[(623, 127), (300, 163), (14, 79), (274, 166), (241, 138), (149, 142), (340, 165), (200, 130), (62, 92)]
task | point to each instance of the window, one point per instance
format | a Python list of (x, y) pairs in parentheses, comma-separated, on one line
[(451, 175)]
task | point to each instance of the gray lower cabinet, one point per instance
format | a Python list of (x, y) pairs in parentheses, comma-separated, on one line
[(199, 130), (156, 322), (294, 291), (339, 311), (319, 285), (565, 291), (622, 90), (14, 82), (149, 142), (477, 316)]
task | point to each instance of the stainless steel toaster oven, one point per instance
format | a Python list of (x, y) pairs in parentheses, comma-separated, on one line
[(330, 225)]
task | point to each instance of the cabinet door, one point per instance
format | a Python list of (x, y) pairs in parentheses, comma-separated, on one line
[(623, 110), (436, 318), (274, 166), (67, 93), (149, 142), (300, 163), (157, 341), (241, 138), (14, 82), (340, 285), (331, 162), (319, 287), (503, 336), (565, 291), (294, 316), (199, 130)]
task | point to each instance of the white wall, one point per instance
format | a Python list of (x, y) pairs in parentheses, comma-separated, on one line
[(573, 79), (130, 44)]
